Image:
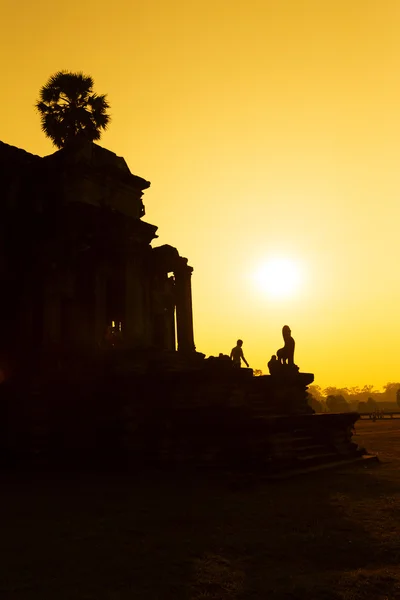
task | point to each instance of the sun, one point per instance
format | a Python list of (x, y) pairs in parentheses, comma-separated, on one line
[(279, 277)]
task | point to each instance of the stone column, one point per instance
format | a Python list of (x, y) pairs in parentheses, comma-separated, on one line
[(134, 326), (100, 303), (170, 342), (84, 306), (51, 311), (184, 314)]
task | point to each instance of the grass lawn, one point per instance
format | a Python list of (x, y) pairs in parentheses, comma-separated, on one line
[(326, 536)]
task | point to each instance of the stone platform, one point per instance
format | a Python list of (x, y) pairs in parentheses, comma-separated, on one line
[(199, 414)]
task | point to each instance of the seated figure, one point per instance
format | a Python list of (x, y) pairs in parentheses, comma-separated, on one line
[(273, 365), (286, 354)]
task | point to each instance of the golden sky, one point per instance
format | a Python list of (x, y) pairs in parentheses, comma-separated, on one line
[(268, 128)]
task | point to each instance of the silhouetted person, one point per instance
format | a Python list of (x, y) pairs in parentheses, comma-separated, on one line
[(273, 365), (237, 354), (110, 336), (113, 336), (287, 352)]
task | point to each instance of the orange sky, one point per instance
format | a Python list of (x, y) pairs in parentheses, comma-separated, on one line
[(267, 128)]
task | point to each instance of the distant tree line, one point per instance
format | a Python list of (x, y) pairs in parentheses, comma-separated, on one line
[(365, 399)]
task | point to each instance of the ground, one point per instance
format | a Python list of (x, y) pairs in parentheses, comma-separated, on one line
[(326, 536)]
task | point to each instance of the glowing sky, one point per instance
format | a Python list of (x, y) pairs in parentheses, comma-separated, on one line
[(268, 129)]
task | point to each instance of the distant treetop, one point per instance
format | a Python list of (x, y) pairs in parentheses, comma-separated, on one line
[(69, 109)]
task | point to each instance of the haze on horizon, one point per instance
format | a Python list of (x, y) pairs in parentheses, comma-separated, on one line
[(268, 130)]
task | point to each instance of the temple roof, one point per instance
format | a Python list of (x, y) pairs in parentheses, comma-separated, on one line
[(17, 156), (85, 153)]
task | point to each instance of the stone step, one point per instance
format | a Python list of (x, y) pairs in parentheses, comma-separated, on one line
[(345, 462), (319, 456)]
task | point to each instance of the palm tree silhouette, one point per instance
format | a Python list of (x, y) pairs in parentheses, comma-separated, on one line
[(69, 109)]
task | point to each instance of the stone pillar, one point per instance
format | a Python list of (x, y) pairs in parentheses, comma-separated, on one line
[(163, 312), (147, 315), (184, 314), (170, 342), (51, 312), (28, 328), (134, 326), (100, 303), (84, 307)]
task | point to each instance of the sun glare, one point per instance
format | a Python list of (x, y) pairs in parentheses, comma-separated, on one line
[(279, 278)]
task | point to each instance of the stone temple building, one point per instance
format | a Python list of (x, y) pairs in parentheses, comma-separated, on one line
[(97, 358), (77, 269)]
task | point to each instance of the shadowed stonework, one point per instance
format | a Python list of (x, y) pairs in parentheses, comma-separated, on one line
[(98, 361), (77, 268)]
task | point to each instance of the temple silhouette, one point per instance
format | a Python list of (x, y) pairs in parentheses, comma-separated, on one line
[(97, 356), (78, 269)]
